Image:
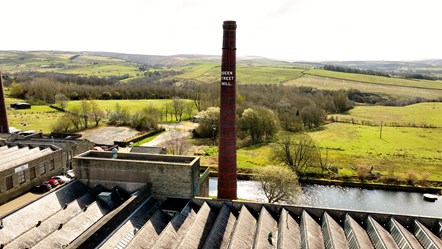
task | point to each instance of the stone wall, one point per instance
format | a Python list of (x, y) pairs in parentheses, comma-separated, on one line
[(174, 176)]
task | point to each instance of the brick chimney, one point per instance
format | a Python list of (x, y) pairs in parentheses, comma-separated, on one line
[(4, 128), (227, 172)]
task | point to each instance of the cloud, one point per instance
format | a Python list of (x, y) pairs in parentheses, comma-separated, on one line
[(293, 29)]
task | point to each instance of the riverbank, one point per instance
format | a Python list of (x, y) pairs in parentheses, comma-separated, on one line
[(365, 185), (405, 188)]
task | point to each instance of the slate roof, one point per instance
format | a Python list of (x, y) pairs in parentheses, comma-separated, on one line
[(12, 156), (223, 224), (205, 223), (54, 220)]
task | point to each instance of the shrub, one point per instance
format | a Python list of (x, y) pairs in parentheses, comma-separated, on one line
[(211, 151), (363, 172), (390, 179), (424, 178), (411, 177)]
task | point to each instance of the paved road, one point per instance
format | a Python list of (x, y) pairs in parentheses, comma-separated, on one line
[(173, 131)]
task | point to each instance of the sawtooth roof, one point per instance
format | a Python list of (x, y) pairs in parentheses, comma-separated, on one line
[(13, 156), (224, 224), (146, 222)]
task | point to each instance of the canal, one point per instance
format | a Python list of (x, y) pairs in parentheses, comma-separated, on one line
[(327, 196)]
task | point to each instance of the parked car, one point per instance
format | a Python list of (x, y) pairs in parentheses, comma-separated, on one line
[(61, 179), (52, 182), (26, 133), (42, 188), (70, 173)]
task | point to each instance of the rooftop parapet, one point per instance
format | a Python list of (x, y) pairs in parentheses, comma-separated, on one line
[(139, 157)]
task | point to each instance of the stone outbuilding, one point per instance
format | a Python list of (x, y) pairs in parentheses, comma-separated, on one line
[(27, 161)]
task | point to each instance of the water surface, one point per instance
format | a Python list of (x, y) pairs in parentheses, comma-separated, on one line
[(328, 196)]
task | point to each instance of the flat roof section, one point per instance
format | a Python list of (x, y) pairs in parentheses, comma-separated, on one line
[(139, 157)]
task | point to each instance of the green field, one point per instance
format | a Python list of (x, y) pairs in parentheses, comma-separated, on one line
[(38, 118), (350, 145), (379, 80), (60, 62), (42, 118), (133, 105), (254, 156), (245, 74), (401, 148), (206, 72), (267, 75), (418, 115), (321, 82)]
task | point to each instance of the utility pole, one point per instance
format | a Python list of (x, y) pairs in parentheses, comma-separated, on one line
[(380, 133)]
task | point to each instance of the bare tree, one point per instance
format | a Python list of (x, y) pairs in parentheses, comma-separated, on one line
[(323, 160), (198, 100), (74, 117), (298, 153), (189, 109), (62, 100), (167, 109), (120, 116), (177, 143), (96, 113), (179, 106), (280, 184), (85, 108)]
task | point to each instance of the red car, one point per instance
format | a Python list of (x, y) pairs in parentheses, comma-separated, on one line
[(53, 182), (61, 179)]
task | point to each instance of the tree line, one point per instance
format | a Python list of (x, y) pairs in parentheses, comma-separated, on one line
[(292, 108)]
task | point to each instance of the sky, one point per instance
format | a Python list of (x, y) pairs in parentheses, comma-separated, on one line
[(292, 30)]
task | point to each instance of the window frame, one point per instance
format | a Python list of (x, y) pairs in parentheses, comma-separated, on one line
[(9, 182), (21, 177), (32, 173), (42, 168), (51, 164)]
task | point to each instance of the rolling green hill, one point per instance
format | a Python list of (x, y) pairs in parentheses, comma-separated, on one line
[(398, 88), (206, 69)]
